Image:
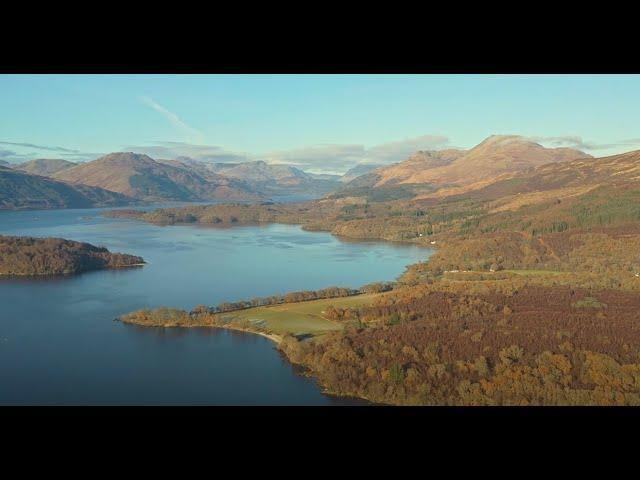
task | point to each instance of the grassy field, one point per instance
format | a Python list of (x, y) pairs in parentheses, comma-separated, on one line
[(534, 272), (299, 318)]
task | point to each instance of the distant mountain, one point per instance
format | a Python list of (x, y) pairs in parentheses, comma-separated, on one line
[(142, 177), (359, 170), (262, 178), (325, 176), (5, 164), (445, 172), (45, 166), (20, 190)]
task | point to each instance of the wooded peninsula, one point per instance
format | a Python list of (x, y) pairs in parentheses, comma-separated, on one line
[(57, 256)]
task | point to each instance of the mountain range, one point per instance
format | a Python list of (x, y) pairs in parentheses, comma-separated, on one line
[(263, 179), (499, 166), (445, 172), (141, 177)]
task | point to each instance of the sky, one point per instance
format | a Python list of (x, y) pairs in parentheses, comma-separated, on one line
[(321, 123)]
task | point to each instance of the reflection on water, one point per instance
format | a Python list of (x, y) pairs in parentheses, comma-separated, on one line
[(60, 345)]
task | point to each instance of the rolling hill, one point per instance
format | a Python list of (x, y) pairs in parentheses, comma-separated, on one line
[(20, 190)]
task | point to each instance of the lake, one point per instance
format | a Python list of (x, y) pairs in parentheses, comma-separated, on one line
[(60, 345)]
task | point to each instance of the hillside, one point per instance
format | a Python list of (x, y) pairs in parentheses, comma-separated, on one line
[(56, 256), (45, 166), (20, 190), (141, 177)]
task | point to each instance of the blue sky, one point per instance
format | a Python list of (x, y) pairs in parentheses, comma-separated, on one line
[(319, 122)]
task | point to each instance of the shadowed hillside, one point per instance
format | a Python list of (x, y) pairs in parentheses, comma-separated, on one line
[(22, 190)]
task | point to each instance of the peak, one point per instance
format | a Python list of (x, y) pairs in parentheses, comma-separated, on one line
[(503, 139), (126, 156)]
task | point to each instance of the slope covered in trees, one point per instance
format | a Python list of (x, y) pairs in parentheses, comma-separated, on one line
[(55, 256)]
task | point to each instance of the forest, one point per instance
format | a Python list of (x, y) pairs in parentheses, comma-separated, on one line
[(533, 346), (55, 256)]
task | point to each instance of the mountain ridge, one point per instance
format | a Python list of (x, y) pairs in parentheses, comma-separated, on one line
[(141, 177)]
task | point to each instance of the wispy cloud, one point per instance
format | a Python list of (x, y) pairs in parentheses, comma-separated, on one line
[(12, 157), (18, 153), (41, 147), (191, 133), (574, 141)]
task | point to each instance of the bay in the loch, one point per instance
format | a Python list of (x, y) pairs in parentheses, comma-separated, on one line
[(59, 344)]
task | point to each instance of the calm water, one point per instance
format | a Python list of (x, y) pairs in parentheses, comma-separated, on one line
[(60, 345)]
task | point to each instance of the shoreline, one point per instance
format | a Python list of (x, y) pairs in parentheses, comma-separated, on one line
[(277, 339), (70, 274), (307, 227)]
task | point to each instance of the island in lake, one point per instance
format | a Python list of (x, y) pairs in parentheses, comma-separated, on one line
[(57, 256)]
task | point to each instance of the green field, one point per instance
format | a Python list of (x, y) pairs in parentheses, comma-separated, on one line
[(299, 318), (534, 272)]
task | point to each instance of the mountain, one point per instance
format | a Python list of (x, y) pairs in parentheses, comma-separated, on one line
[(358, 171), (5, 164), (22, 190), (496, 155), (446, 172), (262, 178), (142, 177), (45, 166)]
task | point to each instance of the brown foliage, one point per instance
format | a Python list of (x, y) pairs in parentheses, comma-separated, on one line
[(530, 347), (50, 256)]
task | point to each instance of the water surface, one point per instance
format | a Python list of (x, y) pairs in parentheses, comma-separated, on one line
[(60, 345)]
